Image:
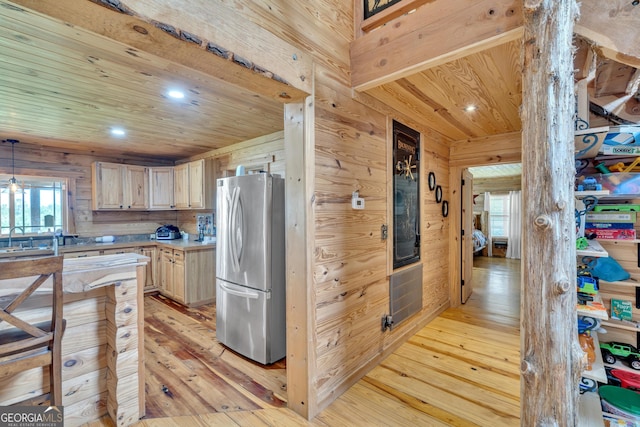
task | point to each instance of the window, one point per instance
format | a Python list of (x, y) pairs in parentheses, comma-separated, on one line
[(37, 208), (499, 215)]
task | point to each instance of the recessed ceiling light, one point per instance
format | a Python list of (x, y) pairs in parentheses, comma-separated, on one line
[(117, 132), (469, 108), (176, 94)]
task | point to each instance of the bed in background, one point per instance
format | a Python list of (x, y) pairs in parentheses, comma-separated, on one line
[(479, 241), (478, 237)]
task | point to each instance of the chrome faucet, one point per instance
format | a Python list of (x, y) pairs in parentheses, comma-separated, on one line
[(11, 234), (55, 244)]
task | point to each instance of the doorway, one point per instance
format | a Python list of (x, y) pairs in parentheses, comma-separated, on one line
[(495, 213)]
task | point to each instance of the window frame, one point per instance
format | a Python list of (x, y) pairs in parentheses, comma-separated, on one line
[(505, 221), (68, 180)]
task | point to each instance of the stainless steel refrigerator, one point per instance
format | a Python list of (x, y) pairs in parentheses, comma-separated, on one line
[(250, 266)]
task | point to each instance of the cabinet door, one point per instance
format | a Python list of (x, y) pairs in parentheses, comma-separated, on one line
[(161, 188), (136, 187), (196, 185), (107, 185), (166, 272), (181, 186), (151, 275), (178, 276)]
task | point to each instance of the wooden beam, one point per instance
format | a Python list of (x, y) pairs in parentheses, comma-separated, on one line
[(488, 150), (551, 358), (423, 39), (301, 319), (167, 42)]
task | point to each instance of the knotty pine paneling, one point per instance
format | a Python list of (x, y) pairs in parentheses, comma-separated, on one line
[(267, 151), (350, 268), (31, 159), (351, 290)]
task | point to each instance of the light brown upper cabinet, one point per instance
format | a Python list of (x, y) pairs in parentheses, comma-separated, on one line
[(118, 187), (161, 193), (190, 180)]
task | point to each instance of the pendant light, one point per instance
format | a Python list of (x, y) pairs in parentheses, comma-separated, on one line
[(12, 185)]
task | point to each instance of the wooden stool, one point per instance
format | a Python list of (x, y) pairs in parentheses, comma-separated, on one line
[(23, 345)]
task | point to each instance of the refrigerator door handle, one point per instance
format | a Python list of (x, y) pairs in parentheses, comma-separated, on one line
[(235, 202), (242, 294)]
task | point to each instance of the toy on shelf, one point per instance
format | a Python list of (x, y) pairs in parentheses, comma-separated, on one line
[(588, 346), (620, 166), (612, 351), (589, 183), (587, 284)]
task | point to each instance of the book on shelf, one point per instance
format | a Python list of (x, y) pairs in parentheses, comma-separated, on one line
[(621, 309), (609, 225), (593, 308), (611, 234), (611, 217)]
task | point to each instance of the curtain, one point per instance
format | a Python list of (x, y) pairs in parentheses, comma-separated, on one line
[(515, 225), (487, 207)]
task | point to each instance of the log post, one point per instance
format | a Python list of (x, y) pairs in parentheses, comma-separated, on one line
[(551, 359)]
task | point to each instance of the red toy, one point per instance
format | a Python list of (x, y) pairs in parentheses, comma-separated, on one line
[(627, 379)]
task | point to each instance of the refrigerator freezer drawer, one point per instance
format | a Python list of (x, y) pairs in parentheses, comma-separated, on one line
[(245, 322)]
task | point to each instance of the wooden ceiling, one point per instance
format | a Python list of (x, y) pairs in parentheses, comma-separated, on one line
[(62, 86), (489, 80), (476, 62)]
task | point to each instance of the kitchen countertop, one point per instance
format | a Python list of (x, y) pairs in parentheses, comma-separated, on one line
[(180, 244), (185, 245)]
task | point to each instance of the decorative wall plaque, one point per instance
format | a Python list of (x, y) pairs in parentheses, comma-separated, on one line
[(371, 7)]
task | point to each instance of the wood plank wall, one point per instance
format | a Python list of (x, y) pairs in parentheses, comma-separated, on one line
[(266, 152), (34, 160), (310, 39), (351, 267)]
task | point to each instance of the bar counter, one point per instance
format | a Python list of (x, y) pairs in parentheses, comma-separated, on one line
[(103, 343)]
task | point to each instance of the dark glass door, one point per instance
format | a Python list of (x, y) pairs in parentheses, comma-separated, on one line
[(406, 190)]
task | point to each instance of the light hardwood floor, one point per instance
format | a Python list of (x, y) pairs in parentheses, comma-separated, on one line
[(460, 370)]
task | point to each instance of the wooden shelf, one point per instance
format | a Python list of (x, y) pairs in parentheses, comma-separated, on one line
[(590, 410), (622, 366), (615, 323), (632, 283), (594, 311), (594, 249), (597, 372), (620, 240), (595, 193)]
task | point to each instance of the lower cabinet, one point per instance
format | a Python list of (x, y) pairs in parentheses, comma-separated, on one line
[(188, 276), (151, 270), (172, 274)]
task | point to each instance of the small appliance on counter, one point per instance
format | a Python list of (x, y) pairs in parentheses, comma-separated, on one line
[(168, 232)]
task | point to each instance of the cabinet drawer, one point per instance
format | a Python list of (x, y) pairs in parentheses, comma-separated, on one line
[(119, 251), (81, 254)]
